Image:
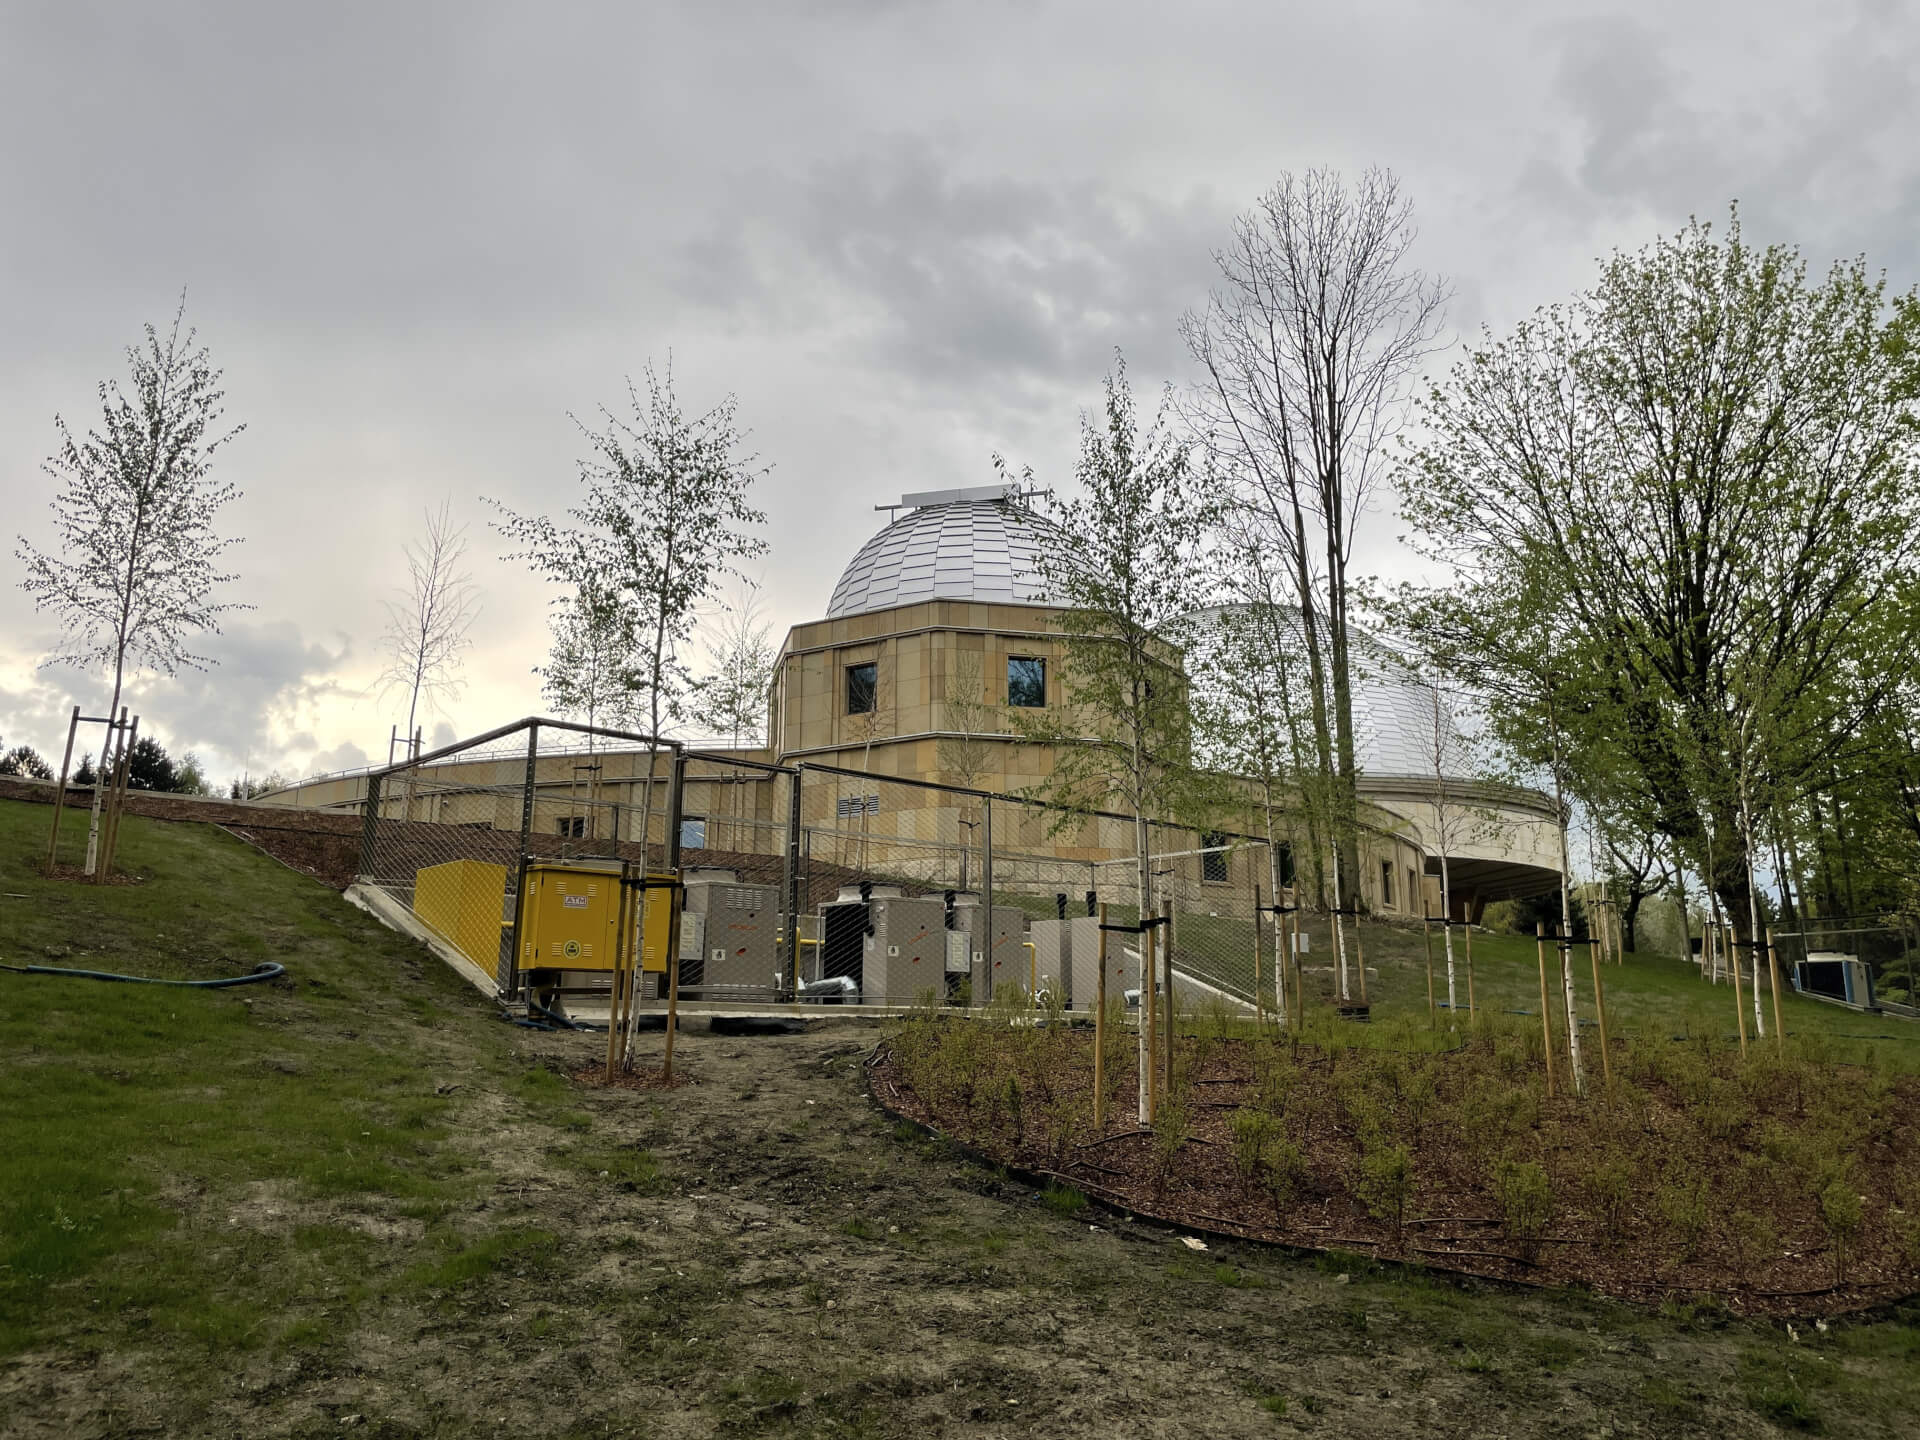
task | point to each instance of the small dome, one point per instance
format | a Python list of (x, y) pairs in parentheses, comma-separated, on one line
[(981, 545)]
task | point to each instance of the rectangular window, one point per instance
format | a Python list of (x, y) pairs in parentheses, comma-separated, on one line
[(1386, 884), (693, 832), (1286, 862), (1213, 862), (1413, 888), (1026, 681), (574, 827), (863, 686)]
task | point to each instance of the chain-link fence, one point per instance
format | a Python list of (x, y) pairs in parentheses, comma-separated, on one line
[(801, 882)]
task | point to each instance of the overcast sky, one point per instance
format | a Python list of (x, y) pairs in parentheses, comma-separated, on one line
[(905, 235)]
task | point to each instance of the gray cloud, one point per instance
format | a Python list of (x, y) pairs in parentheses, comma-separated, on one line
[(905, 235)]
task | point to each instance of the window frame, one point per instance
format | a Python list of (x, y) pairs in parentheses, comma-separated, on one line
[(1036, 660), (687, 820), (872, 667)]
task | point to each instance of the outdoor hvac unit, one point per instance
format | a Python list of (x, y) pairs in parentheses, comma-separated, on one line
[(998, 946), (738, 935), (466, 901), (1830, 975), (1066, 953), (843, 938), (906, 955)]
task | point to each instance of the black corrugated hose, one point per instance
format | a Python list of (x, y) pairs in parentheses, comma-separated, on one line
[(265, 970)]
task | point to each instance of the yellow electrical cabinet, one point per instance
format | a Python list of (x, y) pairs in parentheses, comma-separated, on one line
[(662, 894), (570, 917), (465, 900)]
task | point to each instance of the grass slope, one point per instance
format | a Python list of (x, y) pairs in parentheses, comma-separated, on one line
[(353, 1202)]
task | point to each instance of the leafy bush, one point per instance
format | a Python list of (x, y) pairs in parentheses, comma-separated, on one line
[(1683, 1204), (1385, 1183), (1752, 1239), (1840, 1212), (1609, 1190), (1283, 1171), (1526, 1204), (1170, 1130), (1252, 1130)]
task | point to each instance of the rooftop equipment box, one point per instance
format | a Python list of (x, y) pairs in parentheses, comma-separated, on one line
[(999, 947), (1067, 955)]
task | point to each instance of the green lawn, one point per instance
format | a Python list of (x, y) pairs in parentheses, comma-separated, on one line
[(320, 1102)]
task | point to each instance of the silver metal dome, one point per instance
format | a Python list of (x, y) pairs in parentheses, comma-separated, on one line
[(954, 545), (1396, 732)]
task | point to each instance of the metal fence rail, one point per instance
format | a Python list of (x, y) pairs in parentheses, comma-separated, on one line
[(805, 881)]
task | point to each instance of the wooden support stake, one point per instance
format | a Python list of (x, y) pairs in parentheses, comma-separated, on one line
[(1773, 979), (673, 975), (1360, 955), (1600, 1009), (1166, 967), (60, 795), (1149, 1014), (1546, 1015), (1259, 1004), (1426, 934), (1100, 1032), (1739, 1011), (1473, 1009)]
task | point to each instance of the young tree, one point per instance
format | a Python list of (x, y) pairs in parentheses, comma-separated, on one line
[(190, 777), (427, 626), (662, 519), (967, 750), (733, 693), (589, 673), (1128, 577), (1715, 460), (135, 573), (1309, 348)]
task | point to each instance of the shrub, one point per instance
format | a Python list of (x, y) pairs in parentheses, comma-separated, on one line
[(1170, 1128), (1252, 1130), (1684, 1206), (1283, 1169), (1609, 1189), (1385, 1183), (1840, 1212), (1526, 1204)]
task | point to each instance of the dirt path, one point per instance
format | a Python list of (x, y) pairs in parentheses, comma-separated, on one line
[(812, 1268)]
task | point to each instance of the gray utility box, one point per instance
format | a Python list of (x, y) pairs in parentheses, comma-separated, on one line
[(736, 928), (1068, 955), (906, 955), (999, 952)]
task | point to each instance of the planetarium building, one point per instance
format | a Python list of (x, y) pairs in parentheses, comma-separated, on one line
[(901, 707)]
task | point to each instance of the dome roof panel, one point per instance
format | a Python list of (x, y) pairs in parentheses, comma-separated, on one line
[(982, 547)]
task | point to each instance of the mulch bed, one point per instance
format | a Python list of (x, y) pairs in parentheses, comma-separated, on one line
[(1454, 1221), (647, 1079)]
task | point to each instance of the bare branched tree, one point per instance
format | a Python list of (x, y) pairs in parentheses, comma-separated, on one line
[(1309, 347), (966, 751), (136, 569), (733, 692), (427, 625)]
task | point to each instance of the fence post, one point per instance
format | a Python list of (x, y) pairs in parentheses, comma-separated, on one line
[(369, 823), (793, 882), (510, 967)]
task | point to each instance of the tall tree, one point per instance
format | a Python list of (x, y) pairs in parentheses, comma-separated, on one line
[(1713, 458), (428, 625), (588, 672), (1128, 578), (1309, 347), (662, 519), (136, 571)]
